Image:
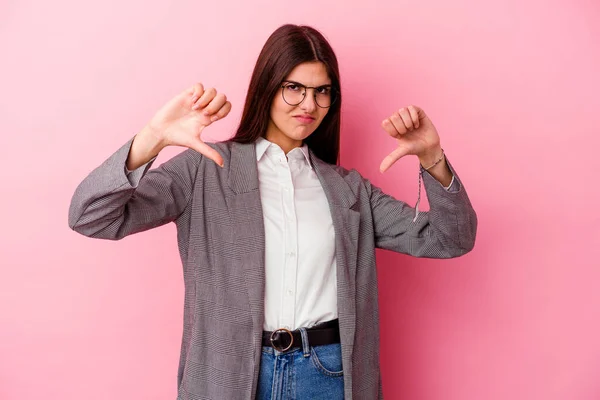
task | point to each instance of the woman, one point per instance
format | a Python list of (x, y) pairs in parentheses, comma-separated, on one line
[(277, 241)]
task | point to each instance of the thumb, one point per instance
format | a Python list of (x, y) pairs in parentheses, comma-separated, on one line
[(206, 151), (394, 156)]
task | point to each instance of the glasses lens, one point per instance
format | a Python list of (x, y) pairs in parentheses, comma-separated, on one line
[(293, 94), (324, 96)]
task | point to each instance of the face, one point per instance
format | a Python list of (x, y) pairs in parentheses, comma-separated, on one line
[(289, 125)]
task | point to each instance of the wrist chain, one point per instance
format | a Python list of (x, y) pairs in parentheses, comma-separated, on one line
[(420, 180)]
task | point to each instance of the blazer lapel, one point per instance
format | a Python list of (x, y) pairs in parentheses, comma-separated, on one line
[(346, 221), (247, 217)]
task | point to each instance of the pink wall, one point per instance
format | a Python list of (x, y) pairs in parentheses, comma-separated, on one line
[(512, 86)]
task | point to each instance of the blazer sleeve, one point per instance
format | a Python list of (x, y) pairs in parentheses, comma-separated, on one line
[(447, 230), (111, 204)]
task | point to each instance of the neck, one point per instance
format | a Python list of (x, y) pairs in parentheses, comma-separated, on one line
[(274, 135)]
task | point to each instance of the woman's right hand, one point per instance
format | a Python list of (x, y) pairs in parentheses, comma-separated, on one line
[(181, 121)]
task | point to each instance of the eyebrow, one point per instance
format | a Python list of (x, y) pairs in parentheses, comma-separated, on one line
[(302, 84)]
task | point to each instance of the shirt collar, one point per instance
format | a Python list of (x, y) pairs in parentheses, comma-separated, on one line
[(263, 144)]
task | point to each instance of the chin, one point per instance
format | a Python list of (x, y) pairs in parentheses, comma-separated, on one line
[(300, 134)]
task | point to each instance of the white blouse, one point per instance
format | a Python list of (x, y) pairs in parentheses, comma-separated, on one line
[(300, 266)]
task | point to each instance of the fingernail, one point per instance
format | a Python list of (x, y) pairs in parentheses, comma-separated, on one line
[(206, 112), (214, 118)]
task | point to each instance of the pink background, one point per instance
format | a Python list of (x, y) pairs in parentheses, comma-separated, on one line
[(512, 87)]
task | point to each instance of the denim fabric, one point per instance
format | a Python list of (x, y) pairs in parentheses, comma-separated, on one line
[(301, 373)]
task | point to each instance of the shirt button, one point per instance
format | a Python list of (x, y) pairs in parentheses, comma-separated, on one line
[(291, 254), (290, 292)]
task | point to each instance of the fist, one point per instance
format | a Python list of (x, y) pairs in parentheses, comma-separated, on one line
[(414, 132), (182, 119)]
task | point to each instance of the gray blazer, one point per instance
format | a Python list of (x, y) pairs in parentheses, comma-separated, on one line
[(221, 240)]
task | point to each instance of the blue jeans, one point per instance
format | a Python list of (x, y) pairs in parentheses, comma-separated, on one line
[(302, 373)]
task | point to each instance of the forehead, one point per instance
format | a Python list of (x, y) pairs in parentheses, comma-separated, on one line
[(310, 74)]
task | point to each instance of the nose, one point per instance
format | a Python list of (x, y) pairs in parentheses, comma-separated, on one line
[(309, 104)]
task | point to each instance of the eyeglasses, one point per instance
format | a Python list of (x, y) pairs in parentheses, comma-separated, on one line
[(294, 93)]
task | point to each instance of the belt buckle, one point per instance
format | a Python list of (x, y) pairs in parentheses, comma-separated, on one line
[(277, 345)]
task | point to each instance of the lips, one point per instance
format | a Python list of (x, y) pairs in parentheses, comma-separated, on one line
[(305, 119)]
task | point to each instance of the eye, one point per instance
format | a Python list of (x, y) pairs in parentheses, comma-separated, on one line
[(324, 90), (293, 87)]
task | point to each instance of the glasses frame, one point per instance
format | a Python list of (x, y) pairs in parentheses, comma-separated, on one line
[(333, 93)]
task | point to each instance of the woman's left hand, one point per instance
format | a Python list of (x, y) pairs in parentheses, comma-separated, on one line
[(415, 134)]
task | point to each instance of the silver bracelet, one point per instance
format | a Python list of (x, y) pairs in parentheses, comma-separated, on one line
[(419, 195), (435, 163)]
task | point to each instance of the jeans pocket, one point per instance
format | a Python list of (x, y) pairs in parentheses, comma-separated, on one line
[(327, 359)]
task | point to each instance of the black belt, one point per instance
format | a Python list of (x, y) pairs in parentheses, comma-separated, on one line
[(283, 339)]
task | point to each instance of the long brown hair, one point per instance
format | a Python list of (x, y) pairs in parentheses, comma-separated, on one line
[(287, 47)]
